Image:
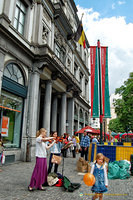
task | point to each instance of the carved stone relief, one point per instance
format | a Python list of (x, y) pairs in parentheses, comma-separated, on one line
[(45, 35)]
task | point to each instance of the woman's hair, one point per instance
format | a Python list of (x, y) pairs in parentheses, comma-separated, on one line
[(52, 133), (99, 155), (40, 131)]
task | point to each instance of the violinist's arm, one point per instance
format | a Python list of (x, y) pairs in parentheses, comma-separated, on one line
[(47, 139), (50, 145)]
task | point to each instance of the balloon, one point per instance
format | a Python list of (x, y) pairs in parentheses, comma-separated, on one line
[(89, 179)]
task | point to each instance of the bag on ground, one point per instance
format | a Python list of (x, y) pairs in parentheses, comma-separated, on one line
[(69, 186)]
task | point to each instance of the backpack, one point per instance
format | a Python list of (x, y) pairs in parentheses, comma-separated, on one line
[(68, 186)]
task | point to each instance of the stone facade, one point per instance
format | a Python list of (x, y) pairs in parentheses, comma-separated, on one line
[(54, 84)]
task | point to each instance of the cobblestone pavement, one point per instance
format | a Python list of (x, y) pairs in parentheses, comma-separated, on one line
[(14, 180)]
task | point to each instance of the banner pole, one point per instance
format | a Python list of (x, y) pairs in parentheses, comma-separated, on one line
[(100, 91)]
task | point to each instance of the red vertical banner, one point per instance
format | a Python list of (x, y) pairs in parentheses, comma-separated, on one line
[(94, 82)]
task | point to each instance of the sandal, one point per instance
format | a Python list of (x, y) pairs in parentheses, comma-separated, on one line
[(30, 188)]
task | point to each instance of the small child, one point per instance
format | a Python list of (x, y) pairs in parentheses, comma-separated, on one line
[(100, 172)]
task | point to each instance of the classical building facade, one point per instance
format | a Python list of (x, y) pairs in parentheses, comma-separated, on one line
[(44, 77)]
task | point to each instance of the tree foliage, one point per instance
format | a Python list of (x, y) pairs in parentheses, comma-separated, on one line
[(115, 125), (124, 105)]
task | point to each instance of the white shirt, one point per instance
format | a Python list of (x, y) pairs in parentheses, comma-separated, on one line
[(40, 148), (105, 171)]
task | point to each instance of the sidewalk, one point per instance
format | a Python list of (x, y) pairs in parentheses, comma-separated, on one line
[(14, 180)]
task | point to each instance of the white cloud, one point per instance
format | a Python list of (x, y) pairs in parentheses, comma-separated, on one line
[(117, 35), (121, 2)]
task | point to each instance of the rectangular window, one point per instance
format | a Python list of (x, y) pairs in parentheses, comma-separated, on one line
[(10, 119), (20, 13), (59, 52)]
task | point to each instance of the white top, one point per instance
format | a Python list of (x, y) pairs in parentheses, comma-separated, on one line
[(40, 148), (105, 171)]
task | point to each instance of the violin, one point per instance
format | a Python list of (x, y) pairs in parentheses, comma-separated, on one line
[(59, 139)]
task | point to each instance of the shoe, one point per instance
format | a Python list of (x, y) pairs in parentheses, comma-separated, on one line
[(30, 189), (42, 189)]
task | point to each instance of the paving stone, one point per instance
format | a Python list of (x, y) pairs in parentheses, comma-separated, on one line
[(15, 178)]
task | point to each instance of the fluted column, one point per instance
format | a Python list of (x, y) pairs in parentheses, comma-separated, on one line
[(63, 114), (2, 57), (47, 106), (70, 111), (54, 114), (78, 117)]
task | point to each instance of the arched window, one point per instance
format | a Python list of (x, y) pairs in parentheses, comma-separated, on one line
[(12, 98), (13, 72)]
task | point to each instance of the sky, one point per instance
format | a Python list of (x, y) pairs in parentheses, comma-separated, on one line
[(110, 21)]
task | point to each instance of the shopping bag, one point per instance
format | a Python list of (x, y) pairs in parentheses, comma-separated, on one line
[(56, 159)]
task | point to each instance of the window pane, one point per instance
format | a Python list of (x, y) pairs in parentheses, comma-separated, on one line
[(15, 69), (6, 73), (20, 28), (23, 8), (16, 13), (21, 18), (18, 3), (14, 78), (11, 109), (21, 81), (10, 68), (15, 23)]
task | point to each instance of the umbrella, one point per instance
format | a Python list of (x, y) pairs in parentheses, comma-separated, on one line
[(121, 134), (89, 129), (113, 133), (127, 134)]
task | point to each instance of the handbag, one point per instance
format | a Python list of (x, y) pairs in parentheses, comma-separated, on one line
[(56, 159)]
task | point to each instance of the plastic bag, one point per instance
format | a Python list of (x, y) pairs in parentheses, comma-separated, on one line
[(119, 169), (113, 171)]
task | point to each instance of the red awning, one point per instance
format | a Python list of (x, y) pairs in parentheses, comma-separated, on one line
[(89, 129)]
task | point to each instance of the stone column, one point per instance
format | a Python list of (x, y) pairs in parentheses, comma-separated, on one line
[(32, 113), (78, 117), (47, 106), (54, 114), (70, 111), (63, 114), (84, 117), (2, 57)]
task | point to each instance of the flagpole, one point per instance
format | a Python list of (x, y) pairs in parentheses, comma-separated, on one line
[(100, 91)]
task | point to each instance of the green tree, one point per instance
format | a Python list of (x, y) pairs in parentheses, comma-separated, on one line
[(115, 125), (124, 105)]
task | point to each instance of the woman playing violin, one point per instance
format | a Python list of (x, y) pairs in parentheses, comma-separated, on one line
[(56, 150)]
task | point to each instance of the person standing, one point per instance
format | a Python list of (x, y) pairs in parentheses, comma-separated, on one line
[(73, 146), (56, 150), (84, 145), (39, 175), (99, 170), (77, 143)]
